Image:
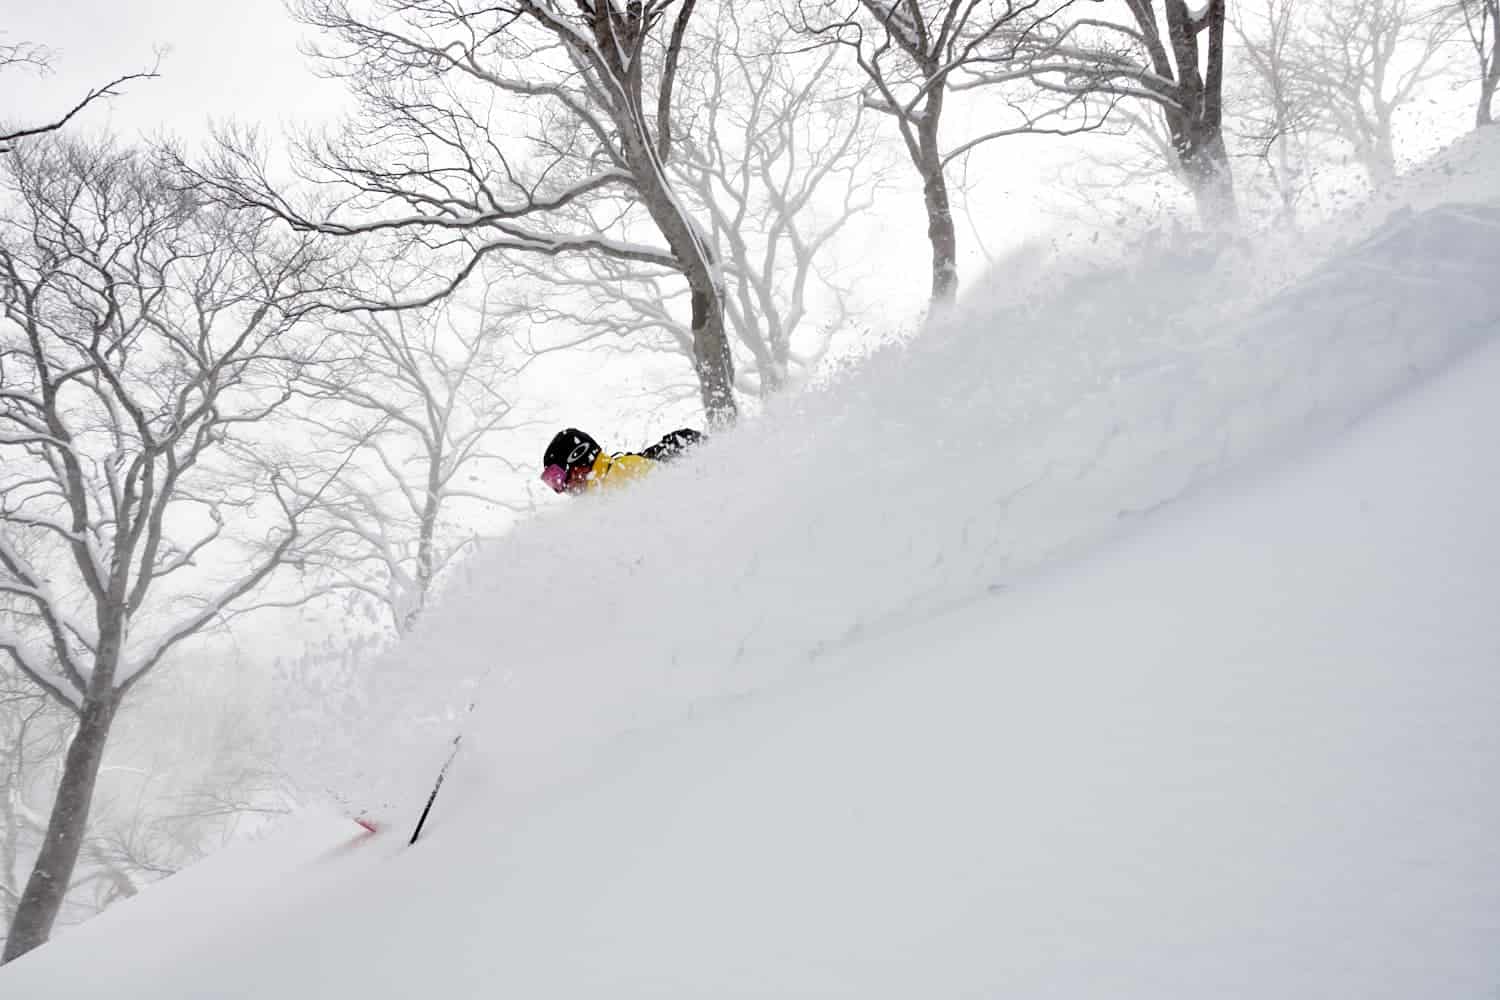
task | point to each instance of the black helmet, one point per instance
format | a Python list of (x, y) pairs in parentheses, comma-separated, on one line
[(570, 449)]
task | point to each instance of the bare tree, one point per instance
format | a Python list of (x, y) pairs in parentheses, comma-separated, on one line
[(778, 160), (1481, 24), (143, 337), (410, 411), (915, 55), (781, 160), (482, 123), (1275, 113), (36, 57), (1171, 58), (1363, 61)]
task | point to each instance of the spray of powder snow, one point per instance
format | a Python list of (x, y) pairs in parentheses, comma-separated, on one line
[(1080, 389)]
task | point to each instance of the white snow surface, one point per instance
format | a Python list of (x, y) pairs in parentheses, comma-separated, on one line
[(1131, 635)]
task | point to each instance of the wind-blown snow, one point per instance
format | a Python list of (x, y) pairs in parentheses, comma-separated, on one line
[(900, 692)]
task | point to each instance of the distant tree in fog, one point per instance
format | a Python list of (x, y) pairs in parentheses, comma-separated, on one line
[(915, 55), (1274, 112), (1480, 21), (413, 402), (1360, 62)]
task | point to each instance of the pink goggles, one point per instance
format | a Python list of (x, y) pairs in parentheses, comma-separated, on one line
[(556, 476)]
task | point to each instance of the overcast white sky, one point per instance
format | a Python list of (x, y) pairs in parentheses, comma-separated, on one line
[(226, 59)]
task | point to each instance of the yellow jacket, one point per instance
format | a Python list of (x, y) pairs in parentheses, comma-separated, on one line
[(612, 471)]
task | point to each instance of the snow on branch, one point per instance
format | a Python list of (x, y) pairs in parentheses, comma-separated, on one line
[(143, 330), (13, 54), (485, 134)]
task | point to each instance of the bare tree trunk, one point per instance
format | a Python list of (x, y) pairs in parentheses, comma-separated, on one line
[(1198, 131), (712, 359), (50, 878), (1489, 84), (1206, 164), (1481, 22), (711, 356), (1381, 162), (940, 231), (1282, 172), (757, 330), (426, 532)]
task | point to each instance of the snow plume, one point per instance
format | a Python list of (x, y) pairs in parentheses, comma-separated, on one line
[(1029, 423)]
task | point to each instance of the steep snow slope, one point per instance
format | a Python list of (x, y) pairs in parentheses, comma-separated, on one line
[(1246, 751), (1025, 430), (900, 691)]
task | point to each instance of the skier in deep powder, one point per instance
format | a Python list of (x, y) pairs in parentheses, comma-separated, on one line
[(574, 463)]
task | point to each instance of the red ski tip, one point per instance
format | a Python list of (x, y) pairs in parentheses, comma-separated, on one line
[(368, 824)]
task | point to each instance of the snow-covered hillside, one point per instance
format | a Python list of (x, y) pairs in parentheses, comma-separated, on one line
[(1112, 640), (1027, 429)]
